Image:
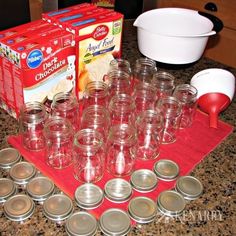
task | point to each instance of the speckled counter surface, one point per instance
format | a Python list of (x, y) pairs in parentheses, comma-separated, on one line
[(214, 213)]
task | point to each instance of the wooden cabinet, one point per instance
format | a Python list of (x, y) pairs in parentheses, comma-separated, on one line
[(221, 47)]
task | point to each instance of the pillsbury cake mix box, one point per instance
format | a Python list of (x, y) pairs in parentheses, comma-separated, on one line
[(9, 33), (43, 67)]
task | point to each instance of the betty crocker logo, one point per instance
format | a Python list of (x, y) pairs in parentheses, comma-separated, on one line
[(100, 32)]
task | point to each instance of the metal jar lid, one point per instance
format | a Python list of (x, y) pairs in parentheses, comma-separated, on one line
[(7, 189), (22, 172), (58, 207), (40, 188), (118, 190), (142, 209), (19, 207), (81, 223), (166, 170), (8, 157), (115, 222), (189, 187), (171, 203), (143, 180), (88, 196)]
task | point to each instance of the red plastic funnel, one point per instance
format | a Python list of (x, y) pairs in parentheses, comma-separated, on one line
[(213, 104)]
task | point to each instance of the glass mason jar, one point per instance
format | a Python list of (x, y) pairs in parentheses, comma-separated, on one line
[(96, 93), (171, 109), (121, 150), (120, 64), (122, 109), (150, 126), (32, 118), (164, 83), (144, 69), (66, 106), (119, 82), (187, 95), (144, 96), (88, 156), (96, 117), (58, 132)]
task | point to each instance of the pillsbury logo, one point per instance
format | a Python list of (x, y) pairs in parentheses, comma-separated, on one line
[(35, 58)]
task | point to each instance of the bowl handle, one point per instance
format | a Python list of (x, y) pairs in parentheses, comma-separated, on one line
[(218, 24)]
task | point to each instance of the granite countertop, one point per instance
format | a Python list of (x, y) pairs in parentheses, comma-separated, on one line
[(214, 213)]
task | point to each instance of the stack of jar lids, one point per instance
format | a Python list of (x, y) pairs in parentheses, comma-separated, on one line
[(189, 187), (7, 189), (118, 190), (58, 207), (21, 173), (88, 196), (166, 170), (115, 221), (142, 209), (19, 207), (143, 180), (81, 223), (171, 203), (9, 157), (40, 188)]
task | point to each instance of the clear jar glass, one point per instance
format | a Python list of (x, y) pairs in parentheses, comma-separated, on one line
[(171, 109), (122, 109), (120, 64), (119, 82), (144, 69), (187, 95), (32, 118), (58, 132), (66, 106), (96, 117), (88, 155), (164, 83), (96, 93), (144, 96), (121, 150), (150, 126)]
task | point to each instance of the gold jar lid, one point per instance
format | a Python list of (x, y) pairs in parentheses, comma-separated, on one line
[(22, 172), (19, 207), (58, 207), (189, 187), (7, 189), (40, 188), (118, 190), (142, 209), (171, 203), (8, 157), (88, 196), (166, 170), (81, 223), (115, 221), (143, 180)]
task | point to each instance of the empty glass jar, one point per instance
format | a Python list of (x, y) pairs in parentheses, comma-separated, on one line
[(122, 109), (88, 155), (32, 118), (121, 150), (171, 109), (58, 132), (66, 106), (187, 95), (164, 83), (150, 125)]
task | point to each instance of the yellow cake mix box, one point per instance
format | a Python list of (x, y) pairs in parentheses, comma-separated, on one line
[(98, 41)]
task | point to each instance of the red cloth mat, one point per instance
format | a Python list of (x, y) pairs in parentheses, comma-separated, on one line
[(192, 145)]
